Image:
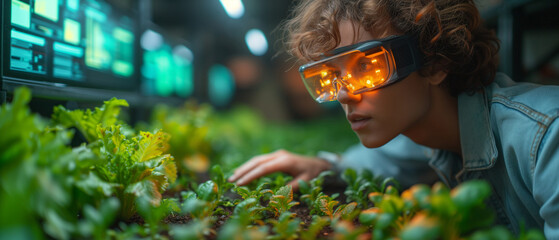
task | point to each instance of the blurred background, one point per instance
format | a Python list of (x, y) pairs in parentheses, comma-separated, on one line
[(222, 52)]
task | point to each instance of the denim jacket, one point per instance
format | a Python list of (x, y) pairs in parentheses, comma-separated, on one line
[(509, 137)]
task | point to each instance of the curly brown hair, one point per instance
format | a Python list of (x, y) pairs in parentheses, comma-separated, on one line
[(450, 33)]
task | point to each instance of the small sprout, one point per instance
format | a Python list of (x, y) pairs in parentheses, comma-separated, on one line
[(422, 227), (326, 205), (286, 227), (248, 210), (282, 200), (317, 224)]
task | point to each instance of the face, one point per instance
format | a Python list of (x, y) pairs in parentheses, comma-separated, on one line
[(380, 115)]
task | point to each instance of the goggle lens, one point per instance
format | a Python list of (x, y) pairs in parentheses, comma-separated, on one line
[(356, 71), (362, 67)]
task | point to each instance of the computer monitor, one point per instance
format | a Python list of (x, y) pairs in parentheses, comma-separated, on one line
[(76, 43), (166, 66)]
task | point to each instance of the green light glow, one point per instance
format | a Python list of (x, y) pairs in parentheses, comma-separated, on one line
[(221, 85), (184, 85), (165, 72), (99, 44), (124, 52), (123, 68)]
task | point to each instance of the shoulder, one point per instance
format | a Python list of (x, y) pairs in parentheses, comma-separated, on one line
[(534, 101)]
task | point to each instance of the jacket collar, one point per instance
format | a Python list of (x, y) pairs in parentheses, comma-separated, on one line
[(476, 137)]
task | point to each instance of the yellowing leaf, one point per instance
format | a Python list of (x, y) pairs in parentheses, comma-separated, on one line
[(151, 145)]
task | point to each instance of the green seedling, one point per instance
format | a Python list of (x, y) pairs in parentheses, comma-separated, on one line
[(359, 185), (153, 215), (327, 206), (235, 228), (96, 221), (260, 193), (318, 223), (249, 211), (282, 201), (286, 227), (312, 190)]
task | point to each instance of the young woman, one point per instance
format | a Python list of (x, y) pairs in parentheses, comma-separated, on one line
[(427, 70)]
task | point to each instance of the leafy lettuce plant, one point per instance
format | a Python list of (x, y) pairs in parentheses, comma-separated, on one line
[(34, 164), (44, 184), (136, 164), (87, 121)]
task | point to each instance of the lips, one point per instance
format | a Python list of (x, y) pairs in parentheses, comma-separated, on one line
[(358, 121)]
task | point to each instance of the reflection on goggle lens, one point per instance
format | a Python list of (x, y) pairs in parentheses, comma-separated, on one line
[(361, 67), (361, 72)]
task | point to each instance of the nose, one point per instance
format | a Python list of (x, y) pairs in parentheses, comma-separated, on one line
[(346, 97)]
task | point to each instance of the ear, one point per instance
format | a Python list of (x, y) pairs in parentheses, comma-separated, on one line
[(438, 77)]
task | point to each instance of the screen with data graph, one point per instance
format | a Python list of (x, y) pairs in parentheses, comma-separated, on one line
[(85, 43)]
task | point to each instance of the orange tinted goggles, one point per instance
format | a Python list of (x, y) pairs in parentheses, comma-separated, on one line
[(361, 67)]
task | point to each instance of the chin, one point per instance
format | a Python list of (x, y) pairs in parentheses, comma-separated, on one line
[(373, 142)]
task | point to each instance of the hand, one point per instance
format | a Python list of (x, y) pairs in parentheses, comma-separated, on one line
[(300, 167)]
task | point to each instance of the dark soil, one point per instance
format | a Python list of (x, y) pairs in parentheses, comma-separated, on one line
[(302, 212)]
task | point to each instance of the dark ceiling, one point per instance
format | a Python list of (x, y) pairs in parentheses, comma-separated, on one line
[(205, 21)]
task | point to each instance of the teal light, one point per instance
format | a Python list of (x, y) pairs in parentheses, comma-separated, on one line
[(184, 80), (221, 85)]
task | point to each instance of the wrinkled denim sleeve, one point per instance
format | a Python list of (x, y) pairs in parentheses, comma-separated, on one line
[(546, 180), (400, 158)]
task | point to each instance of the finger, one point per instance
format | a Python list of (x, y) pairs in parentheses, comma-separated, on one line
[(295, 182), (251, 164), (265, 168)]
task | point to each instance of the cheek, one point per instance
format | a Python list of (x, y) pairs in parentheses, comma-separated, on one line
[(402, 104), (413, 102)]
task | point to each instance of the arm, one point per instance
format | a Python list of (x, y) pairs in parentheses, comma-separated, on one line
[(400, 158), (545, 179)]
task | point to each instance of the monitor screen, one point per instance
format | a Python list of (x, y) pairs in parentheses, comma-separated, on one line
[(84, 43), (166, 68)]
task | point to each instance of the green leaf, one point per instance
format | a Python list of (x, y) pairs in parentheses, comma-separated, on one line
[(346, 211), (146, 188), (496, 233), (92, 185), (207, 191), (422, 227), (87, 122), (151, 145), (369, 216), (470, 193)]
